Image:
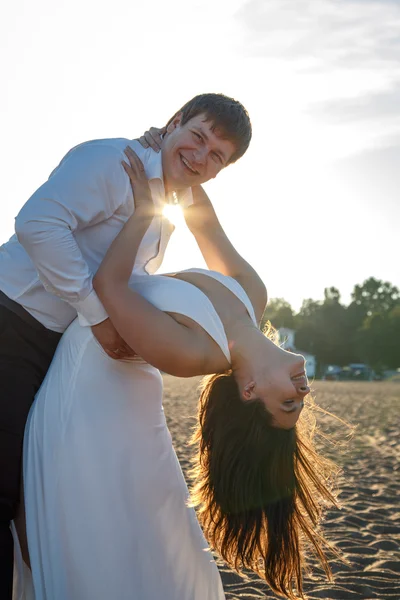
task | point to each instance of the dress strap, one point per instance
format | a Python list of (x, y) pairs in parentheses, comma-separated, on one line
[(232, 285)]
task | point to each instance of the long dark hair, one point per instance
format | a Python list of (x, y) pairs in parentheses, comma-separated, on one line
[(259, 489)]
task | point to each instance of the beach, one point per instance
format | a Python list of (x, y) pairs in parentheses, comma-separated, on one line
[(366, 528)]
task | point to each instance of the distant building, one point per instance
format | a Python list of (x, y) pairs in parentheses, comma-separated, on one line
[(287, 341)]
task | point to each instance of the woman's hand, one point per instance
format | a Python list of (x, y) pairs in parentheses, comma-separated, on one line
[(144, 204), (200, 215), (152, 138)]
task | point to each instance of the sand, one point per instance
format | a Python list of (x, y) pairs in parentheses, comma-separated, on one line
[(367, 527)]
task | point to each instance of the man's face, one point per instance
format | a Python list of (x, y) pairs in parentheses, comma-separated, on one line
[(193, 153)]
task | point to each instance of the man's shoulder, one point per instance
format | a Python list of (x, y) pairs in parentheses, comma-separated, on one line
[(151, 160), (144, 154), (100, 152), (106, 144), (103, 155), (112, 147)]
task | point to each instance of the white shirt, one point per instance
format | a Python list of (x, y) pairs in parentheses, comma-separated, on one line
[(64, 230)]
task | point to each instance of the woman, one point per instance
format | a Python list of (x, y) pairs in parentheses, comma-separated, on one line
[(106, 501)]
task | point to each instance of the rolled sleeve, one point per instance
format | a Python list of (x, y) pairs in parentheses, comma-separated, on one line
[(90, 310)]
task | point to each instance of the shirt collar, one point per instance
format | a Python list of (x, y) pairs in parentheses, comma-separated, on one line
[(152, 162)]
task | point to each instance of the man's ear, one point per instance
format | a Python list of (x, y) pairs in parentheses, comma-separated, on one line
[(173, 124)]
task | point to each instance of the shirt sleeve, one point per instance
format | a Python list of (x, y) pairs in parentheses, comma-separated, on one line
[(88, 187)]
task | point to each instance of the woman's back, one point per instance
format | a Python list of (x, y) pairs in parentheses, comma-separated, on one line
[(225, 293), (209, 303)]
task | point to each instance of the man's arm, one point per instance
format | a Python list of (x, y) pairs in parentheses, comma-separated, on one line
[(86, 189)]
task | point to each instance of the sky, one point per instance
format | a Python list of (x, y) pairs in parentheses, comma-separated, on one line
[(313, 203)]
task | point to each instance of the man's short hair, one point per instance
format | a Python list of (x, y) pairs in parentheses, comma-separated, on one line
[(229, 118)]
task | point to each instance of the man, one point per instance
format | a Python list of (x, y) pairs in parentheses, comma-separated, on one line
[(62, 234)]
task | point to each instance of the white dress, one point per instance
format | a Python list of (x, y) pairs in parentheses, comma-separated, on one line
[(106, 500)]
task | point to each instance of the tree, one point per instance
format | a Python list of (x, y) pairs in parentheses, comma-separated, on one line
[(279, 313), (308, 309), (378, 340), (375, 296), (368, 330), (321, 329), (392, 343), (308, 331), (331, 295)]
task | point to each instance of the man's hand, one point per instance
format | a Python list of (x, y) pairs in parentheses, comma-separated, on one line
[(110, 340), (152, 138)]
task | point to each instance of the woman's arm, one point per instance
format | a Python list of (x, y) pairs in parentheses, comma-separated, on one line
[(219, 253), (154, 335)]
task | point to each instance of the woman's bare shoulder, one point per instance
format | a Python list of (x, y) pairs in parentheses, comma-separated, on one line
[(256, 291)]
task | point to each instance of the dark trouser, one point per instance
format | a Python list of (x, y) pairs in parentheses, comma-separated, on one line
[(26, 350)]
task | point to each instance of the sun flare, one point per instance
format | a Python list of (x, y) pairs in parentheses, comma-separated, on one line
[(174, 214)]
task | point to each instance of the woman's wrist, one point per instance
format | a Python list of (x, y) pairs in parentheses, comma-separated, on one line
[(205, 230), (143, 215)]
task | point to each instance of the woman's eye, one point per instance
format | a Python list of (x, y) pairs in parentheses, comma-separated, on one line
[(197, 136), (216, 158)]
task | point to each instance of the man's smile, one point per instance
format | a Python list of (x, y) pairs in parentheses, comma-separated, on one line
[(188, 166)]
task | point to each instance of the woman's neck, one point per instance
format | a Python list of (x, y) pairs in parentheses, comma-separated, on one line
[(245, 343)]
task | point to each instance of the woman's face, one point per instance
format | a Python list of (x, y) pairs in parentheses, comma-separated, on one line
[(281, 383)]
